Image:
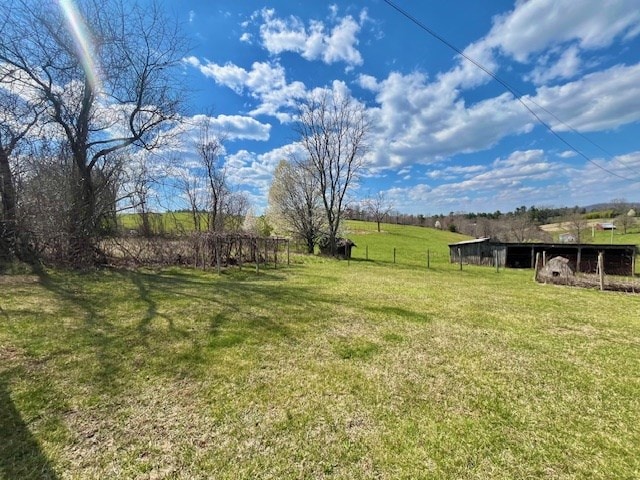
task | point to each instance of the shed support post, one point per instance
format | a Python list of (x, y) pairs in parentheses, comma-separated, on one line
[(533, 256), (460, 257), (579, 260)]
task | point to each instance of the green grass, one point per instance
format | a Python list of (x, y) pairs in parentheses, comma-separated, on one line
[(162, 222), (632, 237), (411, 244), (326, 369)]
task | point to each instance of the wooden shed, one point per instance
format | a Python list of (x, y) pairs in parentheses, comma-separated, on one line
[(343, 247), (618, 259)]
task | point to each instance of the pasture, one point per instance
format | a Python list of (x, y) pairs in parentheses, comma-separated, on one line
[(325, 369)]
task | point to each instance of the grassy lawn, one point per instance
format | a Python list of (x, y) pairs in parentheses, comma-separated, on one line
[(325, 369)]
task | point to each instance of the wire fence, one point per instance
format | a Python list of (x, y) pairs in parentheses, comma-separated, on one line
[(409, 257)]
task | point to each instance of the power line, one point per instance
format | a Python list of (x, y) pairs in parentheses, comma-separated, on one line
[(518, 95)]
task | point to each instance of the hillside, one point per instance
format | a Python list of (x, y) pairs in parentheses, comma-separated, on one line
[(326, 369)]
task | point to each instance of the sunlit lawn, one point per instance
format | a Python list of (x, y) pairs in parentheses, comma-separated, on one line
[(325, 369)]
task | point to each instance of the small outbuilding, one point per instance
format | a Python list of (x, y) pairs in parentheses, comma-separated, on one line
[(582, 258), (568, 238), (606, 226), (343, 247)]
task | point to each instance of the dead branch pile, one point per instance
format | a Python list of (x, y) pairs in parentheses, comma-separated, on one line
[(200, 250)]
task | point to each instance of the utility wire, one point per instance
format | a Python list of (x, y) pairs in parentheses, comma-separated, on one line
[(516, 94)]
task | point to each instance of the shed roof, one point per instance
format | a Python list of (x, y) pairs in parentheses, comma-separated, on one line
[(475, 240), (600, 246)]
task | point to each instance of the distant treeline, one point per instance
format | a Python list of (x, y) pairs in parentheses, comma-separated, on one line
[(522, 224)]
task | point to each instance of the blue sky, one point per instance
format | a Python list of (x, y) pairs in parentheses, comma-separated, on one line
[(446, 136)]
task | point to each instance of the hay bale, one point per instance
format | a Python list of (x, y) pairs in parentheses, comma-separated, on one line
[(557, 268)]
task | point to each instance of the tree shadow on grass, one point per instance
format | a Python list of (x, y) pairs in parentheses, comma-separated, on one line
[(403, 313), (20, 455), (168, 322)]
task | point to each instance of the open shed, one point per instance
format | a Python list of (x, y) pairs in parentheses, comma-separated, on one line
[(618, 259), (343, 247)]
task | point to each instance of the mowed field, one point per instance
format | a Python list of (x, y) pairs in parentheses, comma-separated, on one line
[(324, 369)]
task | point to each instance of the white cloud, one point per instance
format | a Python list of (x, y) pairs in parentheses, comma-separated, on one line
[(523, 174), (566, 66), (546, 27), (312, 42), (249, 169), (536, 25), (265, 82), (598, 101), (527, 177), (421, 122), (368, 82), (237, 127)]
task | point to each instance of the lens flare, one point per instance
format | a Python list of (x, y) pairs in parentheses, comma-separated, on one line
[(84, 43)]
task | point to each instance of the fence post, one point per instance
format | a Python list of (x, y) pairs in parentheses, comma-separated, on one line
[(495, 256), (394, 254), (266, 254), (601, 269), (275, 254), (536, 267), (257, 256)]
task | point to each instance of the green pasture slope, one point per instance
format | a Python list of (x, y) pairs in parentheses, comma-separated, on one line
[(326, 369)]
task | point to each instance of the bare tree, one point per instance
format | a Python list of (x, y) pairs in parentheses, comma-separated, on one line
[(576, 223), (520, 227), (234, 209), (18, 117), (145, 180), (378, 207), (116, 94), (332, 128), (192, 187), (294, 200), (209, 147), (621, 209)]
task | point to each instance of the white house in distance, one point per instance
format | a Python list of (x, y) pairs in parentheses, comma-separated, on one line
[(567, 238)]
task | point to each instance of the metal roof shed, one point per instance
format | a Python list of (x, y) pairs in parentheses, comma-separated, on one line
[(618, 259)]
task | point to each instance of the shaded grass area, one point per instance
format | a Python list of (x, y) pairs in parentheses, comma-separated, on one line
[(323, 370)]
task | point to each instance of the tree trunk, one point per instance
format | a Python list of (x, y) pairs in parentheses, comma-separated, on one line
[(82, 226), (8, 231)]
